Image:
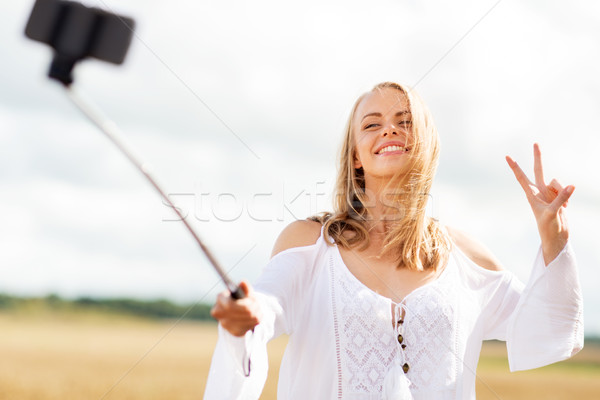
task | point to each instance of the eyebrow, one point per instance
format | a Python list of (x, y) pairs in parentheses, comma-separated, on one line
[(376, 114)]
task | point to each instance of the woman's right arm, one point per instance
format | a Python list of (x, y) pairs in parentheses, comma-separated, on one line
[(239, 364)]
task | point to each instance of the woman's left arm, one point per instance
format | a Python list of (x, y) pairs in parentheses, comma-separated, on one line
[(546, 325), (548, 204)]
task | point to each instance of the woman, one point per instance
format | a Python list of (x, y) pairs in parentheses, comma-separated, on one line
[(381, 301)]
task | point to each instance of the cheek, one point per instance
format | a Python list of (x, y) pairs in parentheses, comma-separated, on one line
[(363, 145), (359, 148)]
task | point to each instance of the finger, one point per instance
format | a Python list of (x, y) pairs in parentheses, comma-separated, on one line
[(538, 170), (216, 311), (562, 198), (520, 175), (230, 310), (555, 188), (556, 185), (223, 297), (226, 305), (221, 304)]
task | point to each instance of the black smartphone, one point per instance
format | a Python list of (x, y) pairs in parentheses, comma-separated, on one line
[(76, 31)]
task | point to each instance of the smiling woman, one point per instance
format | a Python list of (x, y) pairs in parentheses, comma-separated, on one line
[(379, 183), (383, 302)]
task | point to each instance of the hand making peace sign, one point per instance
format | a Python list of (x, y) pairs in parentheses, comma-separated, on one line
[(548, 203)]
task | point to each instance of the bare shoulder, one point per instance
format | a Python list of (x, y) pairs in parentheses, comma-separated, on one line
[(474, 249), (297, 234)]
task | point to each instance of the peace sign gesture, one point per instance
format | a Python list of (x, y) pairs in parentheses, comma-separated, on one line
[(548, 204)]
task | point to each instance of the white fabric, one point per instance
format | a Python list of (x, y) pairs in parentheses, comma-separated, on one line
[(343, 339)]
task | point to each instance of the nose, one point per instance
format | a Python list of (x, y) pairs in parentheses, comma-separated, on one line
[(390, 130)]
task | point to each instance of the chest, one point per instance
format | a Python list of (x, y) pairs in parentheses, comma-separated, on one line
[(382, 276)]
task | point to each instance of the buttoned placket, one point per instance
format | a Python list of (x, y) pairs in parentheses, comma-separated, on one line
[(398, 324)]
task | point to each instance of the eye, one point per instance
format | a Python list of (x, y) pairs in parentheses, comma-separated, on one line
[(370, 126), (406, 123)]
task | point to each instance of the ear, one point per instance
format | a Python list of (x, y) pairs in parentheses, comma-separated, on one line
[(357, 163)]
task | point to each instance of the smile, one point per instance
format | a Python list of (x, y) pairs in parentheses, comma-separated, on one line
[(392, 148)]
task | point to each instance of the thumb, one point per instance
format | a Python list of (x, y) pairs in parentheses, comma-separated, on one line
[(243, 290), (562, 198), (246, 287)]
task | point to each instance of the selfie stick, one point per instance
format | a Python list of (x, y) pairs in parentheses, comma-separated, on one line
[(111, 131), (71, 18)]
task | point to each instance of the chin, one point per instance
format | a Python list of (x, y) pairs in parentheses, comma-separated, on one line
[(388, 173)]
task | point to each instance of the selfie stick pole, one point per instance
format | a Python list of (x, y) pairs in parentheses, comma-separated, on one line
[(76, 32), (111, 131)]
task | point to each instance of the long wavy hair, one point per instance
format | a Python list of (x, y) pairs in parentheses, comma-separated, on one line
[(415, 241)]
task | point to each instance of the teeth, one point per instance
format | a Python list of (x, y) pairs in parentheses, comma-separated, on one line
[(392, 148)]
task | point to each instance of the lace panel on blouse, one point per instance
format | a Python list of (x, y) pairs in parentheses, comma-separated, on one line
[(366, 338)]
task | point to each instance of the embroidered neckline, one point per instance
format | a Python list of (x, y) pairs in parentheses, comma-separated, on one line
[(403, 301)]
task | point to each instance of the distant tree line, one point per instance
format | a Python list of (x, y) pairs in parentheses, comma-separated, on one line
[(160, 309)]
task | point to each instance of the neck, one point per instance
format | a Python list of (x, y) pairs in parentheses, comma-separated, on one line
[(383, 209)]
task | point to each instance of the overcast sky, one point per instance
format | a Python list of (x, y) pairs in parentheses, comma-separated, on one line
[(238, 108)]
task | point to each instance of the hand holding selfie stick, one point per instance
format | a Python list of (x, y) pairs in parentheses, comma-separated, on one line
[(76, 32)]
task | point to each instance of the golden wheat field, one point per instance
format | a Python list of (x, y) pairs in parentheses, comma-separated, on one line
[(96, 356)]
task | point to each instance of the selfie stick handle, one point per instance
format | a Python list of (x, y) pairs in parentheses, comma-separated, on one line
[(111, 131)]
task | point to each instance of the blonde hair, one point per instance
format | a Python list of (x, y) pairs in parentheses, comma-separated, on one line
[(416, 241)]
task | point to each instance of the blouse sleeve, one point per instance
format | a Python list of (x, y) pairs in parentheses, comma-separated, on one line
[(541, 322), (547, 324), (239, 364)]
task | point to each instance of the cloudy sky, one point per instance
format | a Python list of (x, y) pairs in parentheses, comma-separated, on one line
[(238, 109)]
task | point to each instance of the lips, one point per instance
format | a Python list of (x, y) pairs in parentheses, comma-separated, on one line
[(391, 147)]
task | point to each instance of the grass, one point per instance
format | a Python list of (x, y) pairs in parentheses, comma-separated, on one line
[(48, 355), (576, 378)]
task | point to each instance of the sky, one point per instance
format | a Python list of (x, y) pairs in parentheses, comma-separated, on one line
[(238, 109)]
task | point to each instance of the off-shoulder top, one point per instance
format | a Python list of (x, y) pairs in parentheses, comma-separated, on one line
[(344, 338)]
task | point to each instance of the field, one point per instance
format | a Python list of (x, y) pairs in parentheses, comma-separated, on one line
[(101, 356)]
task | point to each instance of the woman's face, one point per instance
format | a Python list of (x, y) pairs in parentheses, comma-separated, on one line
[(382, 133)]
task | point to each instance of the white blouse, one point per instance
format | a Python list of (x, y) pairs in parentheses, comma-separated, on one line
[(345, 338)]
